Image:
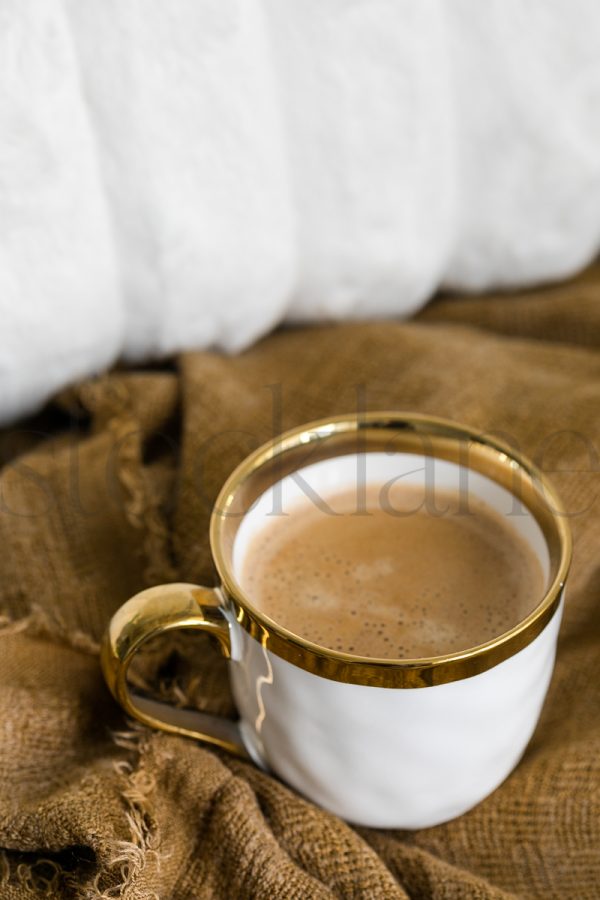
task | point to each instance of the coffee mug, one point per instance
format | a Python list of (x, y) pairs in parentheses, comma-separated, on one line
[(393, 743)]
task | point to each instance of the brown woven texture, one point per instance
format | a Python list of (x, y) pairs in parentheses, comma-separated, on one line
[(109, 491)]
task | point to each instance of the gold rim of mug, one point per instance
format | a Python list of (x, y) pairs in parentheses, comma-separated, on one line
[(432, 436)]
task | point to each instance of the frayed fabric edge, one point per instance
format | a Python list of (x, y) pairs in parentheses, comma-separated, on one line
[(123, 861), (127, 859), (42, 878)]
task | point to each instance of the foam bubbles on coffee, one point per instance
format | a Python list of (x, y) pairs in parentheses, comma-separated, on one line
[(410, 584)]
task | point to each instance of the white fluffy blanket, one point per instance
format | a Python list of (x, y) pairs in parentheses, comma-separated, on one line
[(187, 173)]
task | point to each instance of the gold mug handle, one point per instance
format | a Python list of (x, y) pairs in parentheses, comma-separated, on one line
[(145, 616)]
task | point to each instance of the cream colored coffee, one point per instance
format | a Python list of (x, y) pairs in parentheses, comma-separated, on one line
[(386, 585)]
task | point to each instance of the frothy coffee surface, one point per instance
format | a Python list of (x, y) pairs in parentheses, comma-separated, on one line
[(386, 585)]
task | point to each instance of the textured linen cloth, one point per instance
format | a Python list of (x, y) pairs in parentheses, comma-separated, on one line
[(187, 174), (109, 491)]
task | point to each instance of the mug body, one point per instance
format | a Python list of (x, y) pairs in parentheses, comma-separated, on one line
[(390, 757), (398, 744)]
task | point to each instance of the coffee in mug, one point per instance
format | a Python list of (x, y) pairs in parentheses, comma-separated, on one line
[(407, 573)]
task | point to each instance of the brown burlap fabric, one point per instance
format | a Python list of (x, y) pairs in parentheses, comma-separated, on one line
[(109, 491)]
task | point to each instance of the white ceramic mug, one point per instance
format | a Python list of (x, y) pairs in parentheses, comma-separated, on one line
[(394, 743)]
